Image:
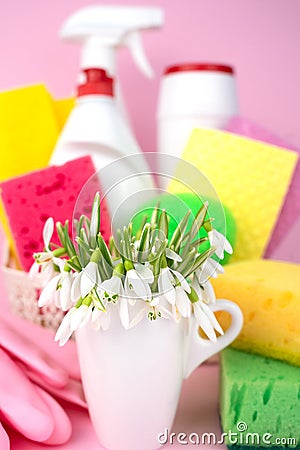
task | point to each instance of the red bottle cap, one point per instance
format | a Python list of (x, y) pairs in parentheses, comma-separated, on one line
[(209, 67), (97, 83)]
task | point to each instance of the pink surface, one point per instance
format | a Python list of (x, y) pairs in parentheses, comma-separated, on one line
[(260, 38), (197, 411), (289, 247), (291, 208)]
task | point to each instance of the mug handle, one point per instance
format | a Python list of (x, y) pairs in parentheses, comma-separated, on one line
[(199, 349)]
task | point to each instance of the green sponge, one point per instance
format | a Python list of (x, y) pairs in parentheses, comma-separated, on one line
[(177, 205), (262, 393)]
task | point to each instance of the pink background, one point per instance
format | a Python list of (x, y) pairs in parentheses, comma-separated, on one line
[(260, 38)]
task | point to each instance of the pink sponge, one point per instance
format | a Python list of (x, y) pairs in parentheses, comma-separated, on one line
[(52, 192), (291, 207)]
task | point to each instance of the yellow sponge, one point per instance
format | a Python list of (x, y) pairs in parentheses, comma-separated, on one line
[(251, 178), (30, 122), (62, 110), (268, 294), (28, 130)]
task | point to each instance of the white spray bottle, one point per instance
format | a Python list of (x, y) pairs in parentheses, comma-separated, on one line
[(96, 125)]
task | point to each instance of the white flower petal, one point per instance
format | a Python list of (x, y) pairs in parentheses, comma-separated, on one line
[(86, 317), (173, 255), (34, 270), (105, 320), (78, 316), (213, 320), (183, 303), (137, 284), (182, 281), (89, 278), (204, 322), (113, 285), (48, 232), (48, 293), (65, 292), (166, 287), (145, 272), (64, 331), (138, 317), (155, 301), (124, 312), (75, 289), (209, 293)]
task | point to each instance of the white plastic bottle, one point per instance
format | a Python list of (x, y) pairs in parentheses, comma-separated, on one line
[(193, 95), (96, 125)]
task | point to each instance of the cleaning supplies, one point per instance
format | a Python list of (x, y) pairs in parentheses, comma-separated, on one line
[(177, 205), (260, 405), (29, 127), (96, 125), (268, 294), (193, 95), (290, 211), (251, 178), (52, 192)]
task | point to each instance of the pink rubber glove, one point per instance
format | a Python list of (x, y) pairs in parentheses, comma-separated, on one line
[(28, 408), (4, 439), (24, 349)]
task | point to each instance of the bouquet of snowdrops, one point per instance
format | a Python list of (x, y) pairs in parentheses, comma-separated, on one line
[(144, 275)]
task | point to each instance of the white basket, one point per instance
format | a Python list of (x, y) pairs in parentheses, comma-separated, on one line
[(23, 294)]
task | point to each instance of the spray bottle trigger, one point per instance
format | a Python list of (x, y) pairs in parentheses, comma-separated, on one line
[(134, 43)]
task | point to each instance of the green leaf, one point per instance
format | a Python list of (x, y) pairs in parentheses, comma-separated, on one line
[(163, 223), (95, 219), (127, 246), (185, 265), (200, 260), (195, 229), (83, 245), (179, 232), (69, 246), (60, 232), (74, 266), (143, 223), (144, 241), (104, 250), (154, 215)]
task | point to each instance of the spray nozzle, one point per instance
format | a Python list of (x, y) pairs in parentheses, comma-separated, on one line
[(96, 83), (103, 29)]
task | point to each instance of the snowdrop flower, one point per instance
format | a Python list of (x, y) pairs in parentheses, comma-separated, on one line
[(81, 316), (64, 331), (76, 317), (43, 265), (113, 287), (58, 289), (100, 319), (204, 291), (202, 296), (87, 279), (209, 269), (174, 288), (207, 320), (219, 241), (137, 280)]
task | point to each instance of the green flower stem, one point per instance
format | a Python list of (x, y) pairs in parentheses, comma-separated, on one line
[(59, 252), (193, 295), (96, 256), (119, 270), (79, 303), (128, 265)]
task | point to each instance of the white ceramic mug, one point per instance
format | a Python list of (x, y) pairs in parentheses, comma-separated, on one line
[(132, 378)]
